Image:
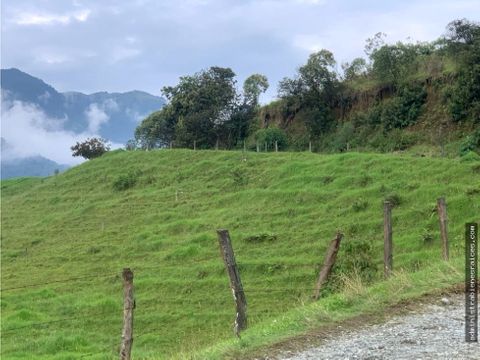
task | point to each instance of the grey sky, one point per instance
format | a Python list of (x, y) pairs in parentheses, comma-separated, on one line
[(111, 45)]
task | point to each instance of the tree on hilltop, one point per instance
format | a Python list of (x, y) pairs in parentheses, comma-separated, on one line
[(90, 148)]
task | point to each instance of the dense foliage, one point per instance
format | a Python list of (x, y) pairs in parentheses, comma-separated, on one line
[(369, 105), (205, 109), (90, 148)]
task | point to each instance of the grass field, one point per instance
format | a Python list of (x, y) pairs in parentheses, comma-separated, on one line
[(66, 238)]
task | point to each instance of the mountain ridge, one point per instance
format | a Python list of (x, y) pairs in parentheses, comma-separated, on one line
[(122, 110)]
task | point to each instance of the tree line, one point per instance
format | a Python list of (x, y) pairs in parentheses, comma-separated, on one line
[(208, 109)]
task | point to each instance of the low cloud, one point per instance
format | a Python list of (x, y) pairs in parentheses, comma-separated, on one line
[(96, 117), (28, 131), (27, 18)]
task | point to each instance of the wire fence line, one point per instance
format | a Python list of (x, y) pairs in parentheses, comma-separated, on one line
[(208, 261)]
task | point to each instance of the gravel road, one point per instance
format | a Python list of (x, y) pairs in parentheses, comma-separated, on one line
[(434, 331)]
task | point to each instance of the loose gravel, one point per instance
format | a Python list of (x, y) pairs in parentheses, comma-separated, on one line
[(434, 331)]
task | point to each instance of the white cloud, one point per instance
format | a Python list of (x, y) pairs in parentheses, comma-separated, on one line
[(308, 42), (28, 18), (29, 132), (51, 58), (96, 117)]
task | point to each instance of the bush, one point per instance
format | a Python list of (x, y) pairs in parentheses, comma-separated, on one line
[(471, 143), (344, 137), (269, 136), (125, 181), (394, 199), (90, 148)]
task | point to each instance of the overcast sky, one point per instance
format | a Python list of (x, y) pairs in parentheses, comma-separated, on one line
[(92, 45)]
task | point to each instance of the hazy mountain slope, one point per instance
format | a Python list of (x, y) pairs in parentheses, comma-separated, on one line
[(29, 166), (113, 115)]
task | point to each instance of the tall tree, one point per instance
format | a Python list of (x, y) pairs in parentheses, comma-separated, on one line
[(253, 86), (313, 91)]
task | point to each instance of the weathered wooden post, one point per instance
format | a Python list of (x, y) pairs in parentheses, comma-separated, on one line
[(266, 147), (171, 145), (216, 145), (442, 217), (387, 239), (310, 146), (235, 281), (128, 306), (328, 263), (244, 146), (258, 147), (276, 146), (194, 145)]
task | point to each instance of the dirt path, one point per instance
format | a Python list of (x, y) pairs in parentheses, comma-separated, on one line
[(433, 331)]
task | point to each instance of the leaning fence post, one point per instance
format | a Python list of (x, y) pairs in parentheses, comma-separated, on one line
[(235, 281), (128, 306), (328, 263), (442, 217), (387, 239)]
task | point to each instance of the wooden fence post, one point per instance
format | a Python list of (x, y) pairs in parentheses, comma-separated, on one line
[(387, 239), (216, 145), (171, 145), (328, 263), (276, 146), (194, 145), (442, 217), (266, 147), (310, 146), (235, 281), (244, 146), (258, 147), (128, 306)]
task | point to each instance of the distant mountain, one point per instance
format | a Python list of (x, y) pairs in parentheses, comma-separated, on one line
[(30, 166), (113, 116)]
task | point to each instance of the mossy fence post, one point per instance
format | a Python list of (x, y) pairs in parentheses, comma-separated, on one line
[(128, 307), (387, 239), (235, 281), (442, 217), (328, 263)]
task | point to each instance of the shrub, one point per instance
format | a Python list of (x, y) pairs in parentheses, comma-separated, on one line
[(394, 199), (269, 136), (125, 181), (471, 143), (90, 148)]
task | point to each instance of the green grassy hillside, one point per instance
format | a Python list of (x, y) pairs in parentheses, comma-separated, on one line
[(65, 240)]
